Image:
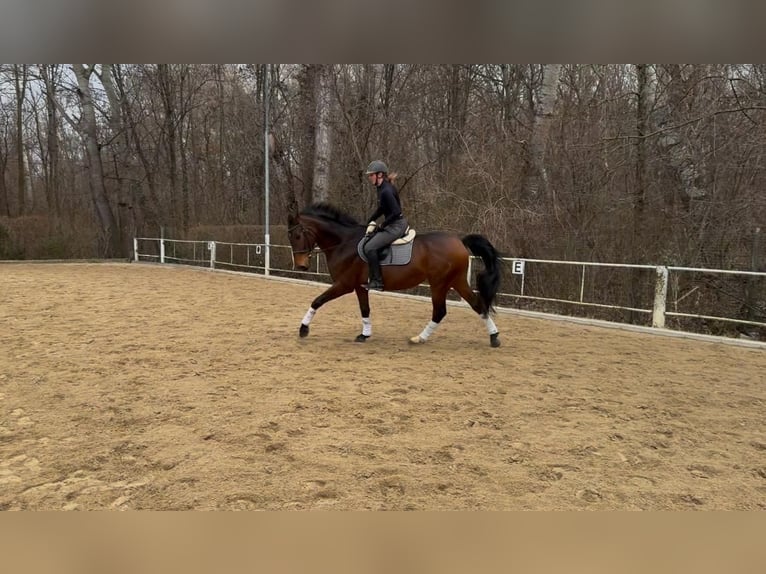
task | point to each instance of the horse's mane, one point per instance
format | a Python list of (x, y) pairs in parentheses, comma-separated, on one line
[(329, 212)]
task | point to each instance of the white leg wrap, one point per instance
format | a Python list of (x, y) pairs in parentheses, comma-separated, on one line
[(428, 331), (491, 328), (308, 316), (366, 326)]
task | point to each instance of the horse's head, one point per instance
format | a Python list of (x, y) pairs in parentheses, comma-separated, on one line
[(302, 241)]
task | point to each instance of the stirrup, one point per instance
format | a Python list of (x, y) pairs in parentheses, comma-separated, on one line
[(374, 286)]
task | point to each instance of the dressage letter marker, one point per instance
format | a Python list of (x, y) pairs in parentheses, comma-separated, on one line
[(517, 267)]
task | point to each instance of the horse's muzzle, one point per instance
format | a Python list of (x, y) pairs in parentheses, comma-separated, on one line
[(301, 261)]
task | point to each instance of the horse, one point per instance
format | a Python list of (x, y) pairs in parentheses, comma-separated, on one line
[(438, 257)]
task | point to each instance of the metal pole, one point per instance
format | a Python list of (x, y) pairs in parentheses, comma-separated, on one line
[(266, 235)]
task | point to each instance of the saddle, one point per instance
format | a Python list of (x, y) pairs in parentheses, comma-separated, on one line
[(398, 253)]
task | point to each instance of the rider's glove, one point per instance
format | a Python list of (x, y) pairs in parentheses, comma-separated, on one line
[(371, 228)]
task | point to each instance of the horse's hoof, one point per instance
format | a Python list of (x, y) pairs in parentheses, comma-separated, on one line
[(304, 332), (494, 341), (361, 338), (417, 340)]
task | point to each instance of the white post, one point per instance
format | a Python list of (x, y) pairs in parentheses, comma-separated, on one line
[(266, 255), (660, 297), (135, 249), (162, 250), (212, 255), (523, 275), (266, 153), (470, 263)]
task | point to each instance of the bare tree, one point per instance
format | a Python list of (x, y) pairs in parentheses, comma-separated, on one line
[(633, 163), (323, 145), (677, 143), (20, 87), (5, 208), (306, 129), (51, 160), (87, 128), (543, 118)]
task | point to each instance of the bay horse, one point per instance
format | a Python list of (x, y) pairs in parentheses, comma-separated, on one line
[(439, 257)]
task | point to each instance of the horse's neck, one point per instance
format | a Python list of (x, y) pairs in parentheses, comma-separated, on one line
[(328, 236), (335, 239)]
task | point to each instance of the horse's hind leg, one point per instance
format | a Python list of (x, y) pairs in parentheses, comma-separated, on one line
[(464, 289), (439, 303)]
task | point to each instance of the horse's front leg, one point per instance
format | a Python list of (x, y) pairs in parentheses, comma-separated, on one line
[(439, 305), (335, 291), (364, 307)]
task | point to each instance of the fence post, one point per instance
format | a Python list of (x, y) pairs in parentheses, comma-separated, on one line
[(660, 296), (212, 254), (162, 250), (267, 255), (135, 249)]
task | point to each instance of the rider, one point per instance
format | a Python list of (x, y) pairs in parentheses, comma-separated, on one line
[(393, 227)]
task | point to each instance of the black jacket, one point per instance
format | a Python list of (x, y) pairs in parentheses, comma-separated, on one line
[(388, 203)]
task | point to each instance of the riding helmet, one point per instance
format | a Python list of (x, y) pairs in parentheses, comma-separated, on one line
[(376, 167)]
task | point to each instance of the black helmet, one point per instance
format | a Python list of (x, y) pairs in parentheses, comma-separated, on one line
[(375, 167)]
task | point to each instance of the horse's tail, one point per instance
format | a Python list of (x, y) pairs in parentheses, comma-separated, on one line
[(488, 280)]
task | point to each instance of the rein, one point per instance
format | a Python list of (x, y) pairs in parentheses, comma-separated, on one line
[(312, 250)]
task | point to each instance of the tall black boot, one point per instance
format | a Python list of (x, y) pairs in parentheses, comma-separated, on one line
[(376, 276)]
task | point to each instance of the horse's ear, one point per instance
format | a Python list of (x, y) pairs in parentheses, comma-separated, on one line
[(292, 219)]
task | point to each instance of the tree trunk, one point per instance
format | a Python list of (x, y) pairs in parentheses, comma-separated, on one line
[(168, 95), (285, 185), (88, 130), (680, 151), (48, 71), (20, 86), (753, 304), (4, 207), (182, 150), (221, 130), (307, 135), (144, 200), (323, 143), (639, 192), (127, 208), (543, 118)]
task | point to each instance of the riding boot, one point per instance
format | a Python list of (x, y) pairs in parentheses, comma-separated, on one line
[(376, 276)]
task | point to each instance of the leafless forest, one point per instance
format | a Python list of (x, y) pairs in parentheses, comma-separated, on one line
[(634, 163)]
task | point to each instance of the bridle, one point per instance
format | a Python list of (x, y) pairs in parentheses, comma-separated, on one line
[(311, 249)]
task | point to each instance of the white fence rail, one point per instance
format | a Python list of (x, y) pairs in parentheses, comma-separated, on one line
[(683, 294)]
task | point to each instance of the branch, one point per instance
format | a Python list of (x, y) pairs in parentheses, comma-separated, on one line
[(51, 88), (736, 97), (741, 110)]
